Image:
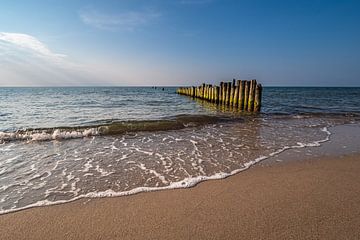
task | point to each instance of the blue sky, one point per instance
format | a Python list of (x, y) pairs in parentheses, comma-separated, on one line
[(179, 42)]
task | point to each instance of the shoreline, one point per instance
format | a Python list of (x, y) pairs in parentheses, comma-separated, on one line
[(186, 183), (242, 202), (317, 198)]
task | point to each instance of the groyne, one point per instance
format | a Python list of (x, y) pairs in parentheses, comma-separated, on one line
[(242, 94)]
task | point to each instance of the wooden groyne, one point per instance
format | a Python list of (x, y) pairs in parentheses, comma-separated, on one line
[(242, 94)]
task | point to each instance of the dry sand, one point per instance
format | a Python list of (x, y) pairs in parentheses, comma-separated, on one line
[(318, 199)]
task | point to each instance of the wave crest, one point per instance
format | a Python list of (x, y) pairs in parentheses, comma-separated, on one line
[(111, 128)]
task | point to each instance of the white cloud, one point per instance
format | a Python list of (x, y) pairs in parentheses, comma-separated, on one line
[(26, 61), (129, 20), (30, 44)]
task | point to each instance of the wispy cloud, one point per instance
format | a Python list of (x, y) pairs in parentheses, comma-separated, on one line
[(30, 44), (26, 61), (129, 20)]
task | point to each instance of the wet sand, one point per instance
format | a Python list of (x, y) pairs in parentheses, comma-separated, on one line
[(310, 199)]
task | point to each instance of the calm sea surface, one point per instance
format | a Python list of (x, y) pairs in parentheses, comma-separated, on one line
[(62, 144)]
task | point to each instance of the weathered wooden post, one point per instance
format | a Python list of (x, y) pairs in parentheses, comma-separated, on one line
[(217, 92), (251, 95), (203, 91), (241, 94), (246, 94), (212, 94), (208, 92), (227, 94), (258, 93), (231, 98), (223, 97), (236, 94), (209, 98), (220, 92)]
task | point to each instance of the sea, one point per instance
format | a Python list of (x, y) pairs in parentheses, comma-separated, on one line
[(61, 144)]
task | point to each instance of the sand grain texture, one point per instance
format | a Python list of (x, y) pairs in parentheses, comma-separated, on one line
[(318, 199)]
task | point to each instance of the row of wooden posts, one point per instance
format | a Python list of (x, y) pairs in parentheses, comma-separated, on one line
[(242, 94)]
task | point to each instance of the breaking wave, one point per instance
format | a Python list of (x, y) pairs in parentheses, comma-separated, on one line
[(111, 128)]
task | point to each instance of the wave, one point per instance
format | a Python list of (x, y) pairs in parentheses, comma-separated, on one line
[(111, 128), (185, 183)]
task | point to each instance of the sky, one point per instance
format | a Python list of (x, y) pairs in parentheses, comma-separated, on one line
[(179, 42)]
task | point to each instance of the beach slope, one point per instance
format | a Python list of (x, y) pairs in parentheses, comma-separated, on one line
[(317, 199)]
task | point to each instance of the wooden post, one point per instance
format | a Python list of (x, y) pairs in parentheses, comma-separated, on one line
[(203, 91), (241, 94), (223, 95), (236, 98), (212, 94), (227, 88), (258, 93), (251, 95), (228, 93), (217, 92), (208, 92), (231, 98), (246, 94), (220, 92)]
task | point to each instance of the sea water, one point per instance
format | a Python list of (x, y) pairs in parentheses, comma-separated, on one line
[(61, 144)]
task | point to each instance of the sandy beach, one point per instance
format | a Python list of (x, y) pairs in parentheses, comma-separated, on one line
[(312, 199)]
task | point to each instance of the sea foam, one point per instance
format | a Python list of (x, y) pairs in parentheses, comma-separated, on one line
[(184, 183)]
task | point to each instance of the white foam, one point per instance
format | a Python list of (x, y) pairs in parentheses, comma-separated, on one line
[(57, 134), (103, 172), (185, 183)]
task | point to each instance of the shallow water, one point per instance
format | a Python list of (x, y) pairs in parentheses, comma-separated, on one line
[(61, 144)]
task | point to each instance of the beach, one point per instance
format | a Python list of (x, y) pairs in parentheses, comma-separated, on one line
[(310, 199), (179, 120)]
